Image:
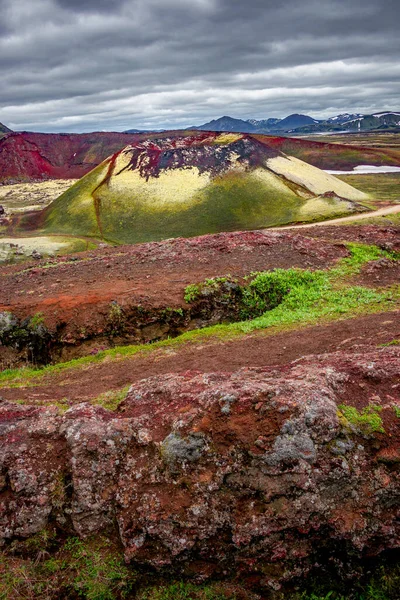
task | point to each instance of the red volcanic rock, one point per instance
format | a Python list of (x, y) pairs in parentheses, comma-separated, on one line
[(34, 156), (250, 475)]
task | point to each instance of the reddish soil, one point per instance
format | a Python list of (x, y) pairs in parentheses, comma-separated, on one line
[(387, 238), (380, 272), (34, 156), (261, 349), (78, 294)]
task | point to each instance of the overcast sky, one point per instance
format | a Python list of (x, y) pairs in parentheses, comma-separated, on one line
[(85, 65)]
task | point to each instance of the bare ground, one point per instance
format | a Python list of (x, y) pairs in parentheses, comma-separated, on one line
[(261, 349), (78, 293)]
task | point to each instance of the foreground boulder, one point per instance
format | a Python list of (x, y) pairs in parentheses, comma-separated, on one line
[(255, 475)]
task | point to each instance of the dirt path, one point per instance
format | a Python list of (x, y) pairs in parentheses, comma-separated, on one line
[(389, 210), (261, 349)]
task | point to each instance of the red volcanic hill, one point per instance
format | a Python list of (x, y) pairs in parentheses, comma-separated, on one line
[(33, 156)]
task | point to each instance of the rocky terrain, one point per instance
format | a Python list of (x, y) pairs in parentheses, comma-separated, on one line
[(136, 294), (143, 286), (206, 417), (4, 130), (252, 475)]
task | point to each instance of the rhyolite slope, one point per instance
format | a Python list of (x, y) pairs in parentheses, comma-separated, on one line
[(26, 156), (193, 185), (255, 475)]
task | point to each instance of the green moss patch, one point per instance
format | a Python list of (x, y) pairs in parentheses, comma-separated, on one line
[(367, 421), (41, 567), (228, 184)]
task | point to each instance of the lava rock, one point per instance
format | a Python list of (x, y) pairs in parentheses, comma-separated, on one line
[(253, 493)]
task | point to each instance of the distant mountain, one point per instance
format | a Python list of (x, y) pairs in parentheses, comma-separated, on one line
[(346, 122), (344, 118), (144, 131), (4, 129), (295, 121), (264, 124), (257, 126), (227, 124)]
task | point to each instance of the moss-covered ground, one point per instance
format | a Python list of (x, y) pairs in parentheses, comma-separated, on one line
[(138, 213), (384, 186), (229, 183)]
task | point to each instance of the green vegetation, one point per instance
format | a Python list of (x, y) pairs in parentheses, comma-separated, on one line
[(71, 215), (116, 319), (95, 571), (48, 568), (367, 421), (99, 574), (91, 570), (217, 190), (111, 399), (269, 289), (391, 343), (320, 294), (382, 186), (185, 591), (30, 334), (36, 320), (209, 286), (131, 215), (397, 411)]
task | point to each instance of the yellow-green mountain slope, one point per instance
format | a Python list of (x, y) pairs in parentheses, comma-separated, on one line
[(187, 186)]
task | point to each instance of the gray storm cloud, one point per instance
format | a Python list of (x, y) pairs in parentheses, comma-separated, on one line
[(73, 65)]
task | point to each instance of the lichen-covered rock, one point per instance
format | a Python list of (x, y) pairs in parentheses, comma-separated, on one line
[(251, 474), (8, 322)]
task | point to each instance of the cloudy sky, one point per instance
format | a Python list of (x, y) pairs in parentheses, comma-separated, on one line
[(84, 65)]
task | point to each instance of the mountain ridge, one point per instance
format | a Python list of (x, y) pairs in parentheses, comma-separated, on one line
[(299, 123)]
